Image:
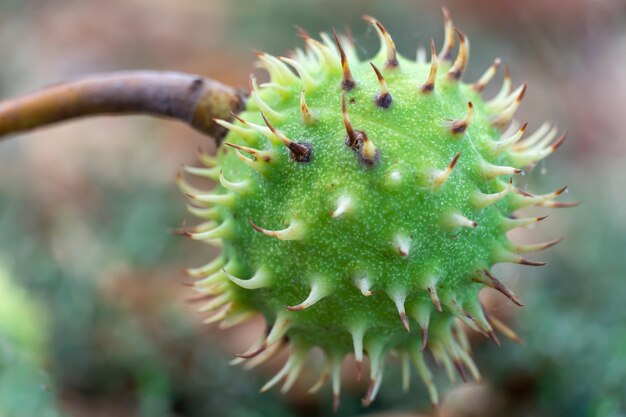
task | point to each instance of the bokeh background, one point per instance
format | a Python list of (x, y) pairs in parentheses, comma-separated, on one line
[(93, 317)]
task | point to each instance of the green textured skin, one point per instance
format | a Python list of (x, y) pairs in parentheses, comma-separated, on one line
[(414, 138)]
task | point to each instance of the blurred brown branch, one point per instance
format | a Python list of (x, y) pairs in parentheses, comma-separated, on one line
[(190, 98)]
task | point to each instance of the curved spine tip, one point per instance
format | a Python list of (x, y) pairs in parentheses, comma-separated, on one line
[(492, 336), (506, 330), (439, 177), (432, 293), (490, 171), (429, 85), (241, 131), (504, 256), (262, 104), (352, 138), (372, 390), (210, 173), (559, 204), (308, 117), (236, 319), (301, 33), (218, 301), (424, 334), (504, 118), (460, 369), (458, 127), (538, 152), (449, 40), (207, 269), (358, 140), (295, 231), (553, 147), (481, 200), (544, 134), (460, 63), (483, 81), (399, 298), (292, 366), (251, 163), (386, 40), (237, 187), (280, 74), (299, 152), (347, 80), (383, 99), (522, 199), (294, 371), (321, 381), (257, 154), (260, 279), (208, 280), (308, 82), (264, 130), (336, 382), (528, 262), (505, 89), (279, 329), (222, 231), (512, 223), (500, 146), (534, 247), (318, 291), (486, 278), (220, 316), (269, 353), (358, 333)]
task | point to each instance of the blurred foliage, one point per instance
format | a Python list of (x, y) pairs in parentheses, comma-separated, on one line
[(24, 387), (92, 313), (574, 322)]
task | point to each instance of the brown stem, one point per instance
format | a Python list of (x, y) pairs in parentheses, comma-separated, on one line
[(190, 98)]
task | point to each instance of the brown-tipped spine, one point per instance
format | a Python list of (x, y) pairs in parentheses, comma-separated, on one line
[(448, 42), (424, 332), (308, 117), (347, 81), (528, 262), (458, 127), (493, 282), (351, 137), (432, 292), (502, 120), (300, 152), (358, 140), (460, 64), (429, 85), (257, 154), (392, 56), (482, 82), (383, 98)]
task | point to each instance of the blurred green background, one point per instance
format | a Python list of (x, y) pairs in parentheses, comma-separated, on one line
[(93, 318)]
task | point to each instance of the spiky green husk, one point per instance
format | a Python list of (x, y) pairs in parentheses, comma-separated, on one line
[(355, 192)]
